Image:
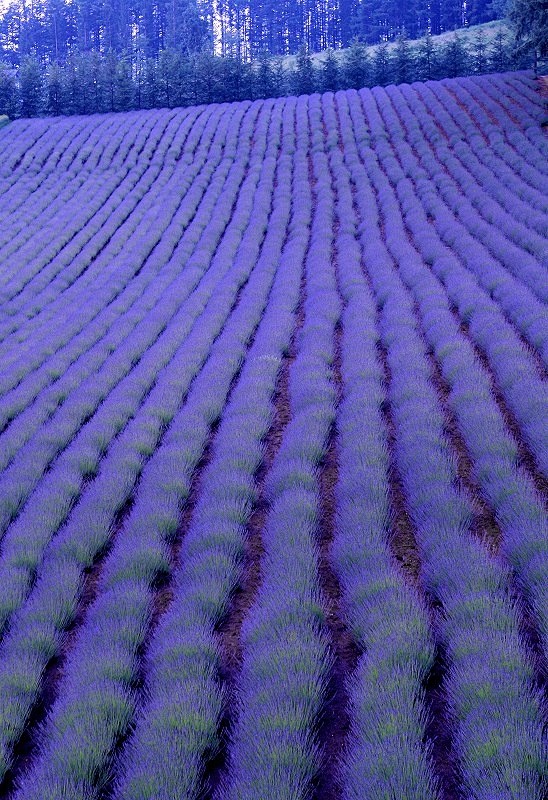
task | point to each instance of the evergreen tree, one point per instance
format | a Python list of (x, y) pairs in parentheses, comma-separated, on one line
[(479, 52), (207, 78), (455, 58), (279, 78), (355, 66), (499, 55), (151, 88), (140, 67), (108, 81), (382, 65), (8, 91), (31, 87), (426, 64), (56, 103), (124, 85), (403, 61), (168, 78), (264, 78), (186, 30), (329, 76), (529, 20), (303, 77)]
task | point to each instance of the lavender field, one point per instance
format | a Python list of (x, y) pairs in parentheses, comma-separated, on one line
[(274, 449)]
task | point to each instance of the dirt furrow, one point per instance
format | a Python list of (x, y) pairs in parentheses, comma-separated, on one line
[(335, 722), (27, 747), (526, 459)]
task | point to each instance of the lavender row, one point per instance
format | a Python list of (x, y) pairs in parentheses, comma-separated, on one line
[(516, 101), (386, 754), (493, 202), (499, 144), (488, 240), (78, 723), (110, 270), (59, 581), (42, 255), (507, 487), (498, 730), (114, 426), (87, 351), (521, 386), (502, 144), (523, 309), (23, 142), (177, 728), (98, 262), (481, 111), (37, 203), (27, 468), (101, 238), (273, 749), (497, 178), (82, 304)]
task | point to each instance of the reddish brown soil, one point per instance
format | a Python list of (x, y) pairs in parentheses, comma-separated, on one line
[(230, 628), (526, 459), (439, 729), (27, 748), (464, 108), (484, 524), (403, 543), (335, 721)]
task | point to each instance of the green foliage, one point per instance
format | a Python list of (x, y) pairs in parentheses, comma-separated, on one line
[(355, 65), (455, 58), (303, 78), (8, 92), (530, 22), (427, 59), (329, 76), (31, 87), (382, 65), (94, 82), (403, 59)]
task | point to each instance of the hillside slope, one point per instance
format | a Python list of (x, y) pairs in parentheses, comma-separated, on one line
[(273, 448)]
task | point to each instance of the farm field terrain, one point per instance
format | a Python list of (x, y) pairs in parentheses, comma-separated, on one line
[(273, 449)]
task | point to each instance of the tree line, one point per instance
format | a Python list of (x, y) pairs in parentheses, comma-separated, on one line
[(92, 82), (54, 30)]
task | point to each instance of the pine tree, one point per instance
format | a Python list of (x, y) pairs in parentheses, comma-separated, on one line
[(303, 77), (355, 66), (32, 83), (426, 65), (403, 61), (8, 91), (455, 58), (56, 101), (499, 56), (264, 78), (382, 64), (529, 20), (124, 92), (279, 78), (151, 89), (329, 77), (479, 52)]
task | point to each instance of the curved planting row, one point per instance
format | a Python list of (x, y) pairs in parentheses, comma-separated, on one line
[(273, 452)]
